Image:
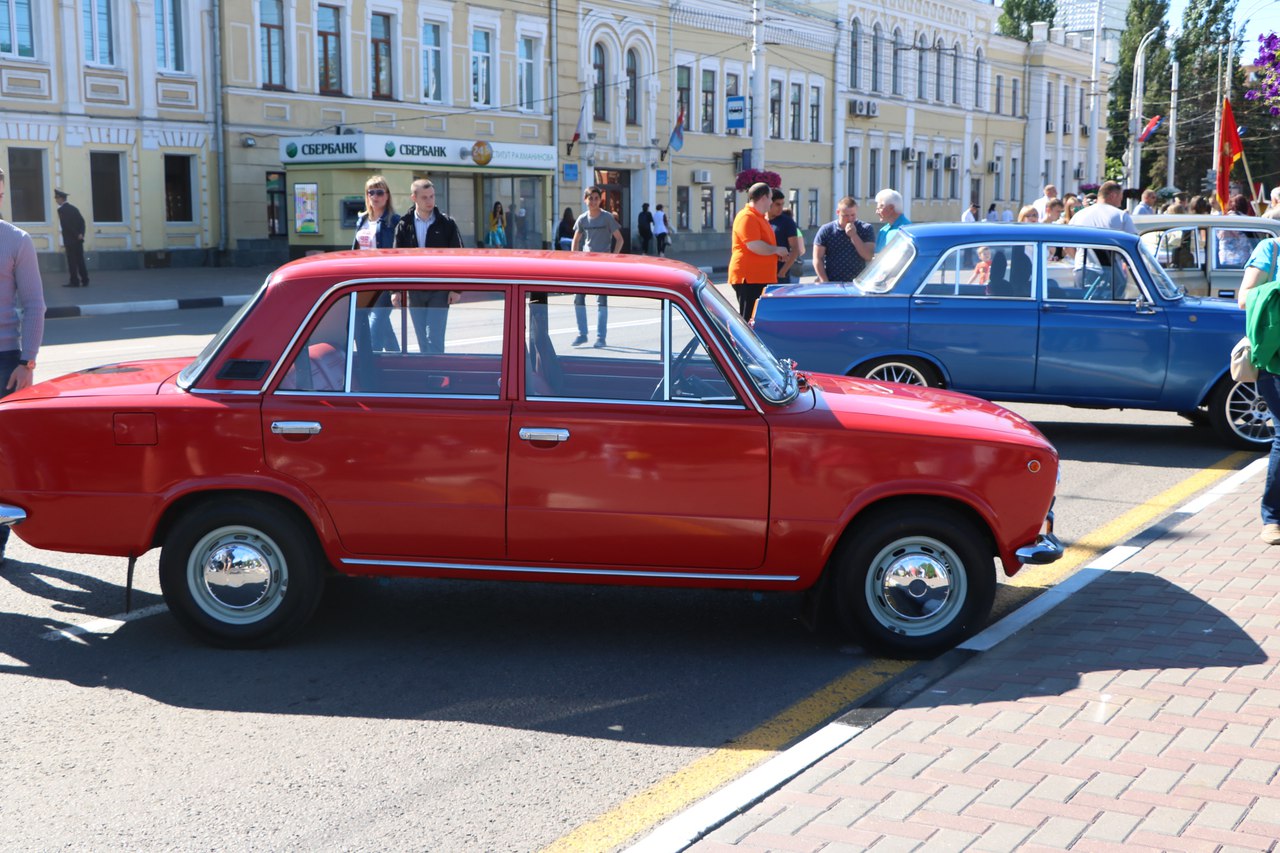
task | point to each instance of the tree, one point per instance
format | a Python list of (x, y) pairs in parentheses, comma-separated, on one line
[(1202, 51), (1017, 17), (1141, 17)]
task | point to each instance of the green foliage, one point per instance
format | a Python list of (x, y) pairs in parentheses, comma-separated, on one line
[(1017, 16), (1114, 169), (1141, 17)]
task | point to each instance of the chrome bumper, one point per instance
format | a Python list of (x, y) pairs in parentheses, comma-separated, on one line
[(1045, 549), (11, 515)]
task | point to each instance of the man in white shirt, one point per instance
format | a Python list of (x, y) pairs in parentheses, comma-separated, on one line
[(1107, 213), (970, 214), (1147, 206), (1050, 193)]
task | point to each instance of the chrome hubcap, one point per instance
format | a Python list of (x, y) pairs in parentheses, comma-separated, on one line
[(916, 585), (896, 371), (1248, 414), (237, 574)]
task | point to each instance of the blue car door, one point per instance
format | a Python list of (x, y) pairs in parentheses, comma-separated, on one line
[(976, 314), (1101, 337)]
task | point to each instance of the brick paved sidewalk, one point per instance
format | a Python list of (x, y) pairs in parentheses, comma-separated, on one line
[(1143, 713)]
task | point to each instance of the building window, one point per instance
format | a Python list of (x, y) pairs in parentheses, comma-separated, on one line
[(482, 67), (98, 37), (999, 108), (918, 178), (939, 74), (169, 47), (922, 68), (851, 183), (26, 184), (329, 49), (271, 36), (105, 186), (683, 94), (731, 89), (797, 109), (599, 103), (526, 76), (894, 156), (896, 63), (708, 197), (1013, 173), (432, 88), (177, 188), (953, 186), (1015, 105), (1066, 106), (937, 178), (277, 209), (708, 101), (855, 54), (873, 173), (955, 73), (815, 113), (999, 179), (877, 59), (682, 208), (813, 209), (775, 109), (380, 47), (633, 88), (977, 79), (17, 38), (728, 208), (1081, 103)]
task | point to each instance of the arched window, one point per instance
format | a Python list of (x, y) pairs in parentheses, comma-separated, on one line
[(977, 79), (896, 62), (597, 91), (955, 73), (633, 87), (877, 60), (922, 67), (855, 54), (939, 75)]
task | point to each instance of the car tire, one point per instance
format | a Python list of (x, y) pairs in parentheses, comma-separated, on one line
[(904, 370), (241, 573), (1239, 415), (913, 583)]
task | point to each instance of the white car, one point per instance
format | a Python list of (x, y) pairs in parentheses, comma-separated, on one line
[(1205, 254)]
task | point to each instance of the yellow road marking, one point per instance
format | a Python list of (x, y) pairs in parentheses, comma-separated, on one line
[(707, 774)]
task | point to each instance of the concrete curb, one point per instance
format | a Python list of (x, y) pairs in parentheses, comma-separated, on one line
[(104, 308), (696, 822)]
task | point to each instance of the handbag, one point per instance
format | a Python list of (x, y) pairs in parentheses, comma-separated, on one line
[(1242, 369)]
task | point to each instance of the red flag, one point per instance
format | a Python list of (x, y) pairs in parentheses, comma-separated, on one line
[(1229, 153), (577, 133)]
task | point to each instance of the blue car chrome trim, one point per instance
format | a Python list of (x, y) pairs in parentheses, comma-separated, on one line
[(11, 515), (536, 570)]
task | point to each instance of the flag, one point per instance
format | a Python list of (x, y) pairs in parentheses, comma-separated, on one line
[(1229, 153), (577, 133), (676, 142), (1152, 127)]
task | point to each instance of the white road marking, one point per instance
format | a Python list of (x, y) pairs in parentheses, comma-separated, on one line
[(108, 625), (155, 326)]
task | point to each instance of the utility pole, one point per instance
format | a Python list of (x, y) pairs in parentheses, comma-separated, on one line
[(1173, 129), (758, 84), (1094, 173), (1135, 108)]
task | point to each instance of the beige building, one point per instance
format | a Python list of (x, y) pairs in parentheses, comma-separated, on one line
[(255, 144)]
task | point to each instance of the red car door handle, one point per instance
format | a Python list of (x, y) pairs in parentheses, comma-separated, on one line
[(543, 434), (295, 427)]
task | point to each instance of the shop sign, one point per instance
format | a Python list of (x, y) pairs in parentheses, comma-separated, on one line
[(415, 151)]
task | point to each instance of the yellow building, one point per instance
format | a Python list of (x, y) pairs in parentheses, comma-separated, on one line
[(188, 131)]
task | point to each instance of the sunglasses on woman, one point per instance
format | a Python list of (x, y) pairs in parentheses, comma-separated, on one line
[(375, 191)]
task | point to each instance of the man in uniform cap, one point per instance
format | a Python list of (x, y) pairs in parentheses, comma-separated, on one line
[(73, 238)]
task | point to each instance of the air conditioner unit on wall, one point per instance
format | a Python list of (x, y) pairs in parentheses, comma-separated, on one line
[(1084, 130), (350, 131), (937, 161), (702, 176), (953, 162), (1078, 174), (907, 154), (1049, 126), (991, 166), (1066, 127)]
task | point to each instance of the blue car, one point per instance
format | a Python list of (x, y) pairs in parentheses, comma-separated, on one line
[(1032, 313)]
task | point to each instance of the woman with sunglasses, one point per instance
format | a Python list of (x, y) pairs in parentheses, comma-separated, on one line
[(376, 229)]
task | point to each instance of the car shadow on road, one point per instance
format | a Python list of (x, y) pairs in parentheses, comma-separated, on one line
[(1136, 443), (1122, 622)]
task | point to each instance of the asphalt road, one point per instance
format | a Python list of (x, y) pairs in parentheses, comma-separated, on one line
[(417, 714)]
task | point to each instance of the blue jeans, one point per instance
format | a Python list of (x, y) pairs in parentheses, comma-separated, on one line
[(602, 314), (1268, 385), (8, 364)]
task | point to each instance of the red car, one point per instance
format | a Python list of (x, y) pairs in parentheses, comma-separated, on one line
[(427, 413)]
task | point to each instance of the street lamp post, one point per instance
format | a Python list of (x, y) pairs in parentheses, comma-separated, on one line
[(1135, 107), (757, 84)]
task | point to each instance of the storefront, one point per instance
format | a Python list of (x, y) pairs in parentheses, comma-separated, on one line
[(325, 178)]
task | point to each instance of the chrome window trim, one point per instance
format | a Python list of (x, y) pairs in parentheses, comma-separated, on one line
[(737, 406), (544, 570), (387, 395)]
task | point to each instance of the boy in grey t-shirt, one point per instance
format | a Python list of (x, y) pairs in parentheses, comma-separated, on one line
[(595, 231)]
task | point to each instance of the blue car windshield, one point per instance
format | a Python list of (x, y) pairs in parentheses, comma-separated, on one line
[(775, 382), (887, 267), (1163, 283)]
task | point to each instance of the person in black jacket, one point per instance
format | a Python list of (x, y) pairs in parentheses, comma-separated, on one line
[(429, 228), (73, 238), (375, 229)]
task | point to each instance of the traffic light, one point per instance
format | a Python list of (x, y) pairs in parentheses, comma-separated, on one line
[(1210, 182)]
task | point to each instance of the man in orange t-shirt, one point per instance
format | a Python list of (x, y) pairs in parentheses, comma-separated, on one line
[(754, 260)]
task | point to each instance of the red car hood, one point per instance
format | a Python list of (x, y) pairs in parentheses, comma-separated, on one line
[(128, 378), (927, 411)]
